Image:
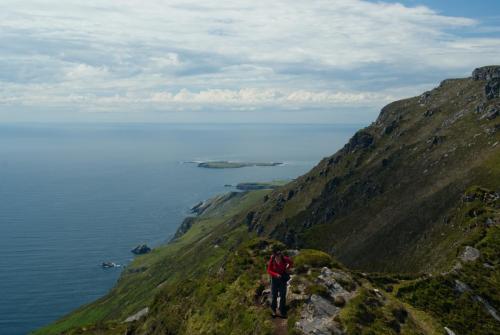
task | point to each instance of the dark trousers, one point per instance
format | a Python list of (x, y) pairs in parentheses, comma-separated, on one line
[(278, 287)]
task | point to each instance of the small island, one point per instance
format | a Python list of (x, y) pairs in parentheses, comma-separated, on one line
[(234, 165)]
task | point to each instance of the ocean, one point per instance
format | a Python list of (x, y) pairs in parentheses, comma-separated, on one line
[(75, 195)]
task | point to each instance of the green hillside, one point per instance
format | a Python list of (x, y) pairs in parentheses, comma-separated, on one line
[(397, 233), (384, 202)]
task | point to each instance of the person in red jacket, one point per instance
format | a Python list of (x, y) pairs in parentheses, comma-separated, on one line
[(278, 269)]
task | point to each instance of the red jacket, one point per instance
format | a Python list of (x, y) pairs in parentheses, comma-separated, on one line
[(275, 269)]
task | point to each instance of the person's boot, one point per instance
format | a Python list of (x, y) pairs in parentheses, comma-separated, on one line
[(273, 313)]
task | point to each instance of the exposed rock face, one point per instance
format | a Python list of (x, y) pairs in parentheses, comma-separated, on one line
[(212, 203), (137, 315), (198, 208), (486, 73), (492, 89), (206, 207), (317, 317), (184, 227), (318, 313), (490, 309), (463, 288), (331, 279), (491, 114), (449, 331), (141, 249), (360, 140), (492, 75)]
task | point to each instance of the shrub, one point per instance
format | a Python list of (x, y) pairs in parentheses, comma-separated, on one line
[(312, 258)]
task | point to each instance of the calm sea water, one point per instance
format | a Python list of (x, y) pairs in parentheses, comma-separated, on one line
[(72, 196)]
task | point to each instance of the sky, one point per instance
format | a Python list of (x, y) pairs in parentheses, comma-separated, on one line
[(314, 61)]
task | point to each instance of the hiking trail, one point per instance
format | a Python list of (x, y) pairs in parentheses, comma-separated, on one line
[(280, 326)]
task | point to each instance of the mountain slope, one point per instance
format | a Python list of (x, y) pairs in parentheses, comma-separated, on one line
[(382, 202), (416, 192)]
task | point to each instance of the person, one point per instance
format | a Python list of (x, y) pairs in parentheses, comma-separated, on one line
[(277, 268)]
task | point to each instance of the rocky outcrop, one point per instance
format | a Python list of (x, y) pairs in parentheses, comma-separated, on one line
[(492, 89), (212, 203), (199, 207), (107, 265), (138, 315), (141, 249), (449, 331), (486, 73), (186, 224), (317, 317), (205, 208), (491, 114), (464, 288), (362, 139), (319, 312), (492, 75)]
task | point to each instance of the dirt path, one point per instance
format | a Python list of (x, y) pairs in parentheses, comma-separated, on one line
[(280, 326)]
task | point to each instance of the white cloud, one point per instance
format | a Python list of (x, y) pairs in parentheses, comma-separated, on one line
[(85, 72), (242, 99), (169, 60), (119, 53), (272, 97)]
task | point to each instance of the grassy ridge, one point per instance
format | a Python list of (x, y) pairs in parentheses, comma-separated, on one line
[(209, 281), (166, 265)]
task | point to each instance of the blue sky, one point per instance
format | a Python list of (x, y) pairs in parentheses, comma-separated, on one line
[(316, 61), (478, 9)]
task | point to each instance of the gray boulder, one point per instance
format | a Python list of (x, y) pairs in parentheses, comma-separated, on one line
[(470, 254)]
